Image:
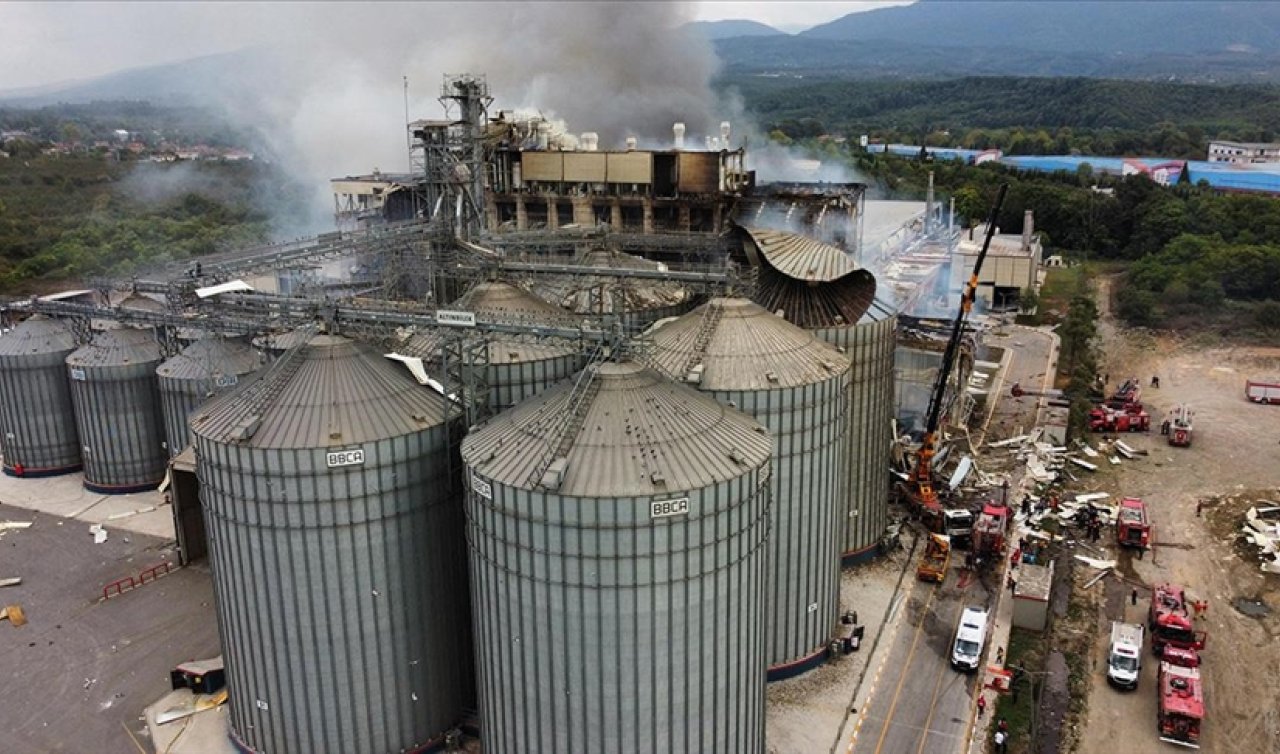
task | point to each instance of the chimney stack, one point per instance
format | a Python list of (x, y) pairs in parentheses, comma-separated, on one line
[(1028, 227), (678, 131), (928, 207)]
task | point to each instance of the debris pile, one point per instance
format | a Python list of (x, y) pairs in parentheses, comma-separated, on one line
[(1261, 528)]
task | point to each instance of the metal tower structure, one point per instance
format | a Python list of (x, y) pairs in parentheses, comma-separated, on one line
[(450, 155)]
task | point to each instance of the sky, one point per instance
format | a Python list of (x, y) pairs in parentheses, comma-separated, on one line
[(49, 42)]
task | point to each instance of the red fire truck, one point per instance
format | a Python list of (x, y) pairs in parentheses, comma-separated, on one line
[(1181, 705), (1169, 621), (1180, 420), (1132, 419), (1133, 528), (989, 532)]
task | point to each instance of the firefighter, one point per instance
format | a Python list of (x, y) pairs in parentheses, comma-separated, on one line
[(1164, 427), (1155, 381)]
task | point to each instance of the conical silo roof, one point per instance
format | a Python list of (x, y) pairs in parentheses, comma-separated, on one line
[(335, 391), (209, 357), (734, 344), (38, 335), (811, 283), (640, 434), (581, 294), (283, 341), (117, 347), (505, 299), (141, 303)]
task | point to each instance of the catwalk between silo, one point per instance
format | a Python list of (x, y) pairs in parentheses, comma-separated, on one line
[(617, 527), (797, 386), (336, 544)]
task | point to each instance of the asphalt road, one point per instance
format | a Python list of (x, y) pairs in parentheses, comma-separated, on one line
[(920, 704), (77, 676)]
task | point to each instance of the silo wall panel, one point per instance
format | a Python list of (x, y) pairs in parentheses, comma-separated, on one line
[(602, 629), (808, 425), (342, 594), (121, 432), (870, 346), (179, 399), (36, 415), (512, 383)]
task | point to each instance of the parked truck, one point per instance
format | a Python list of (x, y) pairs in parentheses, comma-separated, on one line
[(989, 533), (936, 558), (1133, 528), (1180, 425), (1170, 621), (1181, 710), (1107, 419), (1124, 658), (1262, 392)]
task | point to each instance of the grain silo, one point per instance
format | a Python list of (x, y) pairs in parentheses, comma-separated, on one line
[(818, 287), (638, 302), (36, 416), (617, 527), (797, 386), (337, 551), (520, 366), (117, 404), (276, 343), (208, 366)]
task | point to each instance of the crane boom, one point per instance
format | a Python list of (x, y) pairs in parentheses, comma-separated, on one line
[(921, 478)]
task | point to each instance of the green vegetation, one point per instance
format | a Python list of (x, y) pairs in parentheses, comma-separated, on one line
[(1018, 115), (74, 216)]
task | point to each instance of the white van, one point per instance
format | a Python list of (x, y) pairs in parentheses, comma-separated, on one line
[(971, 636), (1124, 658)]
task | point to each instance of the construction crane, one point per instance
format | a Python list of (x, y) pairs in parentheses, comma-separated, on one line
[(921, 482)]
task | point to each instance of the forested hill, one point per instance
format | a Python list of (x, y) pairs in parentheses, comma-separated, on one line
[(912, 110)]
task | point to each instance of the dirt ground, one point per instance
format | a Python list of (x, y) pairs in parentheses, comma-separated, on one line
[(1234, 459)]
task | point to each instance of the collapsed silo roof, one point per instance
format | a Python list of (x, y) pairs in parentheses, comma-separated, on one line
[(506, 300), (734, 344), (811, 283), (333, 392), (641, 435)]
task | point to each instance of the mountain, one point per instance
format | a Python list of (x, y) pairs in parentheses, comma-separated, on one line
[(1079, 27), (187, 82), (736, 27), (1192, 41)]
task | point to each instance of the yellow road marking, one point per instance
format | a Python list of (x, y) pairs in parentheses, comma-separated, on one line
[(893, 705), (932, 705)]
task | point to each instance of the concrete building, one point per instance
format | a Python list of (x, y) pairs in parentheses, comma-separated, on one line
[(1010, 267), (1244, 152)]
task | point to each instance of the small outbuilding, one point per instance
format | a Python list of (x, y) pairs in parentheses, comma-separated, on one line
[(1031, 596)]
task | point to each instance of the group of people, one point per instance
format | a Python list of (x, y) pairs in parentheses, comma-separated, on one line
[(1001, 736)]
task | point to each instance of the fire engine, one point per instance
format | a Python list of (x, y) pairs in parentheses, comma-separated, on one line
[(1169, 621), (1133, 418), (1181, 705), (989, 532), (1180, 425), (1133, 529)]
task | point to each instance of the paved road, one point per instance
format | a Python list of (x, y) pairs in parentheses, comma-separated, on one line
[(919, 703)]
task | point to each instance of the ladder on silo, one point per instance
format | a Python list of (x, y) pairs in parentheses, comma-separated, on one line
[(701, 339), (568, 424)]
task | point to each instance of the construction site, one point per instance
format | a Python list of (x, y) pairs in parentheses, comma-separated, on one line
[(548, 447)]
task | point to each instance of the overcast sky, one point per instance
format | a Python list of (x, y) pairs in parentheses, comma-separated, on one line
[(47, 42)]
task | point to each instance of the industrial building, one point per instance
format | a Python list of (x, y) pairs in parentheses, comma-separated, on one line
[(572, 468)]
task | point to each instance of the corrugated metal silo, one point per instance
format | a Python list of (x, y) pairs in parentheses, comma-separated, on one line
[(338, 557), (870, 346), (797, 386), (617, 529), (38, 421), (520, 367), (205, 368), (275, 344), (117, 404), (818, 287)]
